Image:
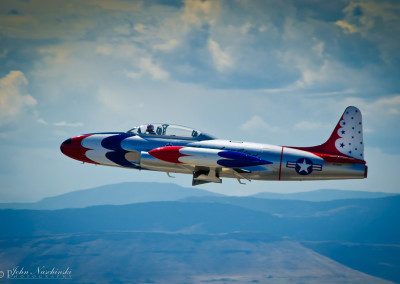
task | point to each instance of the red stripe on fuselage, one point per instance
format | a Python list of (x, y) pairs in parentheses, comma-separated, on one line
[(280, 166), (169, 154)]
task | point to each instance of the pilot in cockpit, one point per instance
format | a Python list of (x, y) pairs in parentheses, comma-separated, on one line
[(150, 129)]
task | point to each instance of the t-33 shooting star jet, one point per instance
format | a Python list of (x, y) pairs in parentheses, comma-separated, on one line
[(178, 149)]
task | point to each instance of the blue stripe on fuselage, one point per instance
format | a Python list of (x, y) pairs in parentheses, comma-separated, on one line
[(118, 156), (234, 159)]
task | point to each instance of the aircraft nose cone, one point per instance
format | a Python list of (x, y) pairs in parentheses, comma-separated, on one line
[(65, 145), (73, 148)]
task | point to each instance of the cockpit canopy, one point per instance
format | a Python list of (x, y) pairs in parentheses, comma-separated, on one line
[(170, 130)]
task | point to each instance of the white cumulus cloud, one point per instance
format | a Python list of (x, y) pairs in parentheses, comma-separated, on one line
[(257, 123), (14, 101), (156, 72), (221, 58), (385, 107), (197, 12), (166, 46), (68, 124)]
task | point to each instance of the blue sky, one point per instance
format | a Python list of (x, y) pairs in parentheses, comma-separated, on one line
[(276, 72)]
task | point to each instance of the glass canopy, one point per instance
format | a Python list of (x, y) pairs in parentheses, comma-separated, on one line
[(169, 130)]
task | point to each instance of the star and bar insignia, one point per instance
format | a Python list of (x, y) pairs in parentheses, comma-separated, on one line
[(304, 166)]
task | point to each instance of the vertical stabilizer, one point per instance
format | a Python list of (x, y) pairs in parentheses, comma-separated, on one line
[(350, 141), (346, 139)]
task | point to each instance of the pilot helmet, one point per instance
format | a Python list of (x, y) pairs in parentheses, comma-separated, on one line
[(150, 127)]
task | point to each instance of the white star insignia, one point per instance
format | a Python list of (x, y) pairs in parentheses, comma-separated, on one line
[(304, 166)]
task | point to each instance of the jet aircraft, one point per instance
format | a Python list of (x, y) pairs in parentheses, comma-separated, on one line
[(178, 149)]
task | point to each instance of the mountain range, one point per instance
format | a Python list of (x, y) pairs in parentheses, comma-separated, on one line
[(136, 192), (157, 233), (357, 220), (113, 194)]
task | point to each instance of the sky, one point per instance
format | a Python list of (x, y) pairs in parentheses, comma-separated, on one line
[(274, 72)]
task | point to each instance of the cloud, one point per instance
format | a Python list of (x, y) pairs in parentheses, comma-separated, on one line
[(140, 28), (381, 116), (14, 101), (308, 125), (103, 50), (116, 5), (122, 30), (15, 23), (324, 75), (319, 48), (222, 59), (166, 46), (68, 124), (42, 121), (364, 16), (121, 50), (138, 58), (198, 12), (256, 123), (190, 36), (43, 19), (60, 124), (347, 28), (384, 108), (3, 53), (390, 105), (58, 55), (378, 22), (156, 72)]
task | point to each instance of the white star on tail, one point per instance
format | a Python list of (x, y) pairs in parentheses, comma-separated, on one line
[(304, 166)]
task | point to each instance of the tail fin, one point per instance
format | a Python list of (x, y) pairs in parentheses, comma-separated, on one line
[(346, 139)]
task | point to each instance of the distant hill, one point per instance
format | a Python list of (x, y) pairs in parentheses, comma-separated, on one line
[(153, 216), (323, 195), (283, 208), (355, 220), (114, 194)]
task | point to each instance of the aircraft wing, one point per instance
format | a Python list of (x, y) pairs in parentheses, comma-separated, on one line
[(207, 163)]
